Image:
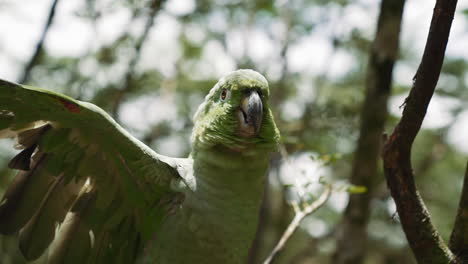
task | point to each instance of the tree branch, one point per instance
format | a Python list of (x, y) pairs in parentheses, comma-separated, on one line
[(300, 215), (458, 240), (127, 84), (426, 243), (37, 52), (352, 240)]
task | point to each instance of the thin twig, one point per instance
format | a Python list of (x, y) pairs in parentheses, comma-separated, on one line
[(299, 216), (37, 52)]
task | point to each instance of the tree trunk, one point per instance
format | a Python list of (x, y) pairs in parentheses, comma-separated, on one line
[(352, 236)]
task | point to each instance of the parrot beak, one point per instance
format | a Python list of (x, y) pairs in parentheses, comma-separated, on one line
[(250, 114)]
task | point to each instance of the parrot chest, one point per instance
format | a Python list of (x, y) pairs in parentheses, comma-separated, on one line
[(217, 221)]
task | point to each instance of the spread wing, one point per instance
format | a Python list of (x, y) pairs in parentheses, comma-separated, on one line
[(84, 185)]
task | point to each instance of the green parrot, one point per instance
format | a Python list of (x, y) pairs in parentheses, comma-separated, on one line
[(89, 192)]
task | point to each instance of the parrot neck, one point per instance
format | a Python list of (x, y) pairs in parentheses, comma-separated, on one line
[(227, 199), (229, 170)]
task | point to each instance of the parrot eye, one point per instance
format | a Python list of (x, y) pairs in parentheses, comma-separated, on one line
[(224, 94)]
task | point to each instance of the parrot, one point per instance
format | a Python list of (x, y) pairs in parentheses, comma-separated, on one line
[(86, 191)]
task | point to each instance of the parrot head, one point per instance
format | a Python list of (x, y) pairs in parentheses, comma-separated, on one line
[(236, 114)]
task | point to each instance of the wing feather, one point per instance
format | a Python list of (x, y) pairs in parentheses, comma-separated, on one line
[(73, 242), (39, 231), (24, 196), (79, 170)]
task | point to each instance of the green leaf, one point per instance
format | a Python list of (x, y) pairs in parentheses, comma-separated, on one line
[(356, 189), (465, 11), (327, 159), (323, 180)]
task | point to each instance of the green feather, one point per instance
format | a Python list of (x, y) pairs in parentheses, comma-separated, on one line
[(215, 121)]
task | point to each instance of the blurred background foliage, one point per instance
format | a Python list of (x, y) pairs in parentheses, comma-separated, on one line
[(150, 63)]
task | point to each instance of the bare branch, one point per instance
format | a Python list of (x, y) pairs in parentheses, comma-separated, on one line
[(300, 215), (127, 84), (458, 240), (352, 240), (426, 243), (37, 52)]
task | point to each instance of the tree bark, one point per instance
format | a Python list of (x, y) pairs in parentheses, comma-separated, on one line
[(352, 238), (459, 240), (424, 240)]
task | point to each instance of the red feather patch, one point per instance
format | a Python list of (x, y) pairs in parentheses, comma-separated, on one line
[(72, 107)]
